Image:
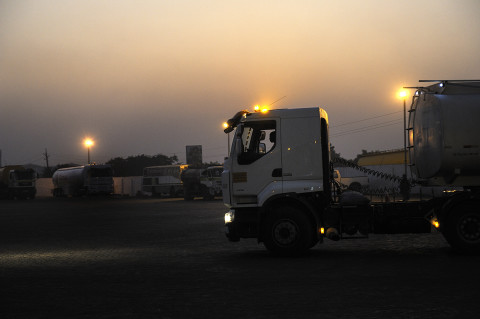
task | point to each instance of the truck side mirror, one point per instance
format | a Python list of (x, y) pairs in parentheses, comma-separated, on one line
[(262, 136)]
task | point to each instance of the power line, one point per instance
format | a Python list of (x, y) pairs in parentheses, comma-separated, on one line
[(366, 119), (367, 128)]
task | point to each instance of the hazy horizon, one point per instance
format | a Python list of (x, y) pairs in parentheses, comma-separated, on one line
[(151, 77)]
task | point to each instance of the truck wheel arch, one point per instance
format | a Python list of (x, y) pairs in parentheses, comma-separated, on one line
[(448, 206)]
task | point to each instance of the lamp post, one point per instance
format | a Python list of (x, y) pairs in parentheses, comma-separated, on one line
[(88, 143)]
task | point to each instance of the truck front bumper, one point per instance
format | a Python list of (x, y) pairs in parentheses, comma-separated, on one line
[(242, 223), (230, 226)]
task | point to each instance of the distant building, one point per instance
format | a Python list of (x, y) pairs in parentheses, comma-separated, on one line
[(394, 157), (388, 162)]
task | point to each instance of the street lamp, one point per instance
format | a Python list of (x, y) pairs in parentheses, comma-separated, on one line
[(88, 143)]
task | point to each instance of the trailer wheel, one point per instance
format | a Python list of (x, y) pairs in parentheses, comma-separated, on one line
[(288, 231), (462, 230)]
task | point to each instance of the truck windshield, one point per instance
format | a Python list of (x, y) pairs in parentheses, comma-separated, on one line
[(27, 174)]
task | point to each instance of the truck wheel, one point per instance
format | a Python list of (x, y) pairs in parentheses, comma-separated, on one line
[(288, 231), (462, 229)]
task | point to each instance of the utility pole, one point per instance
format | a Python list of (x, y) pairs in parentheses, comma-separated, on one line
[(46, 158)]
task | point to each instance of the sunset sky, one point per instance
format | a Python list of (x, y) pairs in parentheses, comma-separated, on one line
[(149, 77)]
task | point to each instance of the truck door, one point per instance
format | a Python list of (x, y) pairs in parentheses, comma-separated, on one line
[(256, 166), (302, 154)]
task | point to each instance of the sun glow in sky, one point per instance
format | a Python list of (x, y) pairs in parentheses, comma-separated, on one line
[(149, 77)]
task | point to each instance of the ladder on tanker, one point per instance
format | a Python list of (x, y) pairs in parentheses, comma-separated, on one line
[(411, 119)]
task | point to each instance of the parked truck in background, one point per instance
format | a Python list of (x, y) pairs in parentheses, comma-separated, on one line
[(16, 181), (206, 183), (282, 194), (83, 180), (163, 180)]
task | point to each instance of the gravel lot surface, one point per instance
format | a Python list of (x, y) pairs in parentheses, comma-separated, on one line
[(160, 258)]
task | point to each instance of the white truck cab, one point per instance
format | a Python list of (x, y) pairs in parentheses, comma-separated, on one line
[(277, 158), (273, 153)]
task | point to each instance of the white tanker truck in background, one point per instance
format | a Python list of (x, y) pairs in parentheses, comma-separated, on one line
[(83, 180), (281, 192), (17, 181)]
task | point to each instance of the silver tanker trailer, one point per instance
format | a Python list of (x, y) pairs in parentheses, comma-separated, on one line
[(83, 180), (444, 149), (444, 134)]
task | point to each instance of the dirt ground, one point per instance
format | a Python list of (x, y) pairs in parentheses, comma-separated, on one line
[(159, 258)]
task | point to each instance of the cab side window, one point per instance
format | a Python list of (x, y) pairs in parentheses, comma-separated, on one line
[(258, 139)]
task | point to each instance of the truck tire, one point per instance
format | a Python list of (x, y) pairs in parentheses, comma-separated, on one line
[(462, 228), (288, 231)]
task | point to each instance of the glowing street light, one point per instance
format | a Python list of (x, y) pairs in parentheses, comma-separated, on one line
[(403, 94), (88, 142)]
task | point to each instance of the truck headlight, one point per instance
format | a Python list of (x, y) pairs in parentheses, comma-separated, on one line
[(229, 217)]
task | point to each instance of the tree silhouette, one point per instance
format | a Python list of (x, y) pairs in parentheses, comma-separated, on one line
[(134, 165)]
